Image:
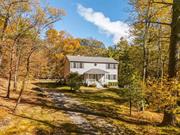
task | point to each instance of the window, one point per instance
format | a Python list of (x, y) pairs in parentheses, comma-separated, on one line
[(76, 65), (111, 77), (111, 66), (72, 64), (95, 64), (91, 76)]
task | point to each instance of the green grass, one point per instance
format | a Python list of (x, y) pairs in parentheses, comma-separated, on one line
[(106, 102), (110, 103), (82, 88)]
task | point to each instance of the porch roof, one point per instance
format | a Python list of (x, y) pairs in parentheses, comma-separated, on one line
[(95, 71)]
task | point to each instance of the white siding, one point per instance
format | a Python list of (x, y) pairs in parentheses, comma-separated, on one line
[(102, 66)]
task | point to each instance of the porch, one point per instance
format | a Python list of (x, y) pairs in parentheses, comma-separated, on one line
[(95, 76)]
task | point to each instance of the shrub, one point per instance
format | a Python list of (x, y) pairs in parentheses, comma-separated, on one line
[(113, 84), (74, 80), (92, 85)]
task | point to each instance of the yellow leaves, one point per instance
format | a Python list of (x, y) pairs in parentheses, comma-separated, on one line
[(40, 15), (59, 56), (55, 11), (162, 92), (48, 15), (71, 45), (61, 42), (52, 35), (24, 6)]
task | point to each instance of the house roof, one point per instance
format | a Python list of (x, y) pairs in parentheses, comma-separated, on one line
[(95, 71), (91, 59)]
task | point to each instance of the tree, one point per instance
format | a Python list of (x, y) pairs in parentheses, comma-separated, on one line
[(150, 17), (174, 39), (26, 21), (170, 116), (128, 76), (162, 96), (59, 44), (91, 47), (126, 69), (113, 52), (74, 80), (25, 76), (92, 43), (164, 30)]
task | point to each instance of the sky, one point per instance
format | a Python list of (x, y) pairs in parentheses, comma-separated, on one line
[(104, 20)]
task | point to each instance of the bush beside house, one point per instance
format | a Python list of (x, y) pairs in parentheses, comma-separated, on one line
[(74, 81)]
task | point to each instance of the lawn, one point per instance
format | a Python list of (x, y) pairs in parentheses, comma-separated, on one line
[(38, 113), (109, 103)]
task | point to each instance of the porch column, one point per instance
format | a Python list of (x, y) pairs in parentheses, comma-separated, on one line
[(87, 81)]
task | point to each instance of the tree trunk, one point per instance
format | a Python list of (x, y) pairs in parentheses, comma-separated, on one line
[(169, 117), (175, 30), (10, 74), (1, 56), (142, 106), (16, 73), (25, 79), (20, 94), (23, 86), (145, 49), (145, 37), (160, 61), (130, 106)]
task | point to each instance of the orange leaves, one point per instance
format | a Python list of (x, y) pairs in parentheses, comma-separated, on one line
[(162, 93), (55, 11), (61, 42), (71, 45), (52, 36)]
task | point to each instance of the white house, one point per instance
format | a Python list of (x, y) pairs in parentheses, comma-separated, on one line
[(95, 70)]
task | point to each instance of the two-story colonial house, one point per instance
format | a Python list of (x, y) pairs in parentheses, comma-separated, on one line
[(98, 70)]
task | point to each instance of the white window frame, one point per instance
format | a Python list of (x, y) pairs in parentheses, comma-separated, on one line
[(111, 66), (77, 65), (111, 77)]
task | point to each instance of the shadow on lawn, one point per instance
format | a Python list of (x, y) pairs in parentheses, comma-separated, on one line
[(61, 129), (97, 110), (47, 84), (85, 95), (98, 96)]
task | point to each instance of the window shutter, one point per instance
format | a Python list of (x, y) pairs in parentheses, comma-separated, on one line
[(71, 65), (81, 65), (114, 77)]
